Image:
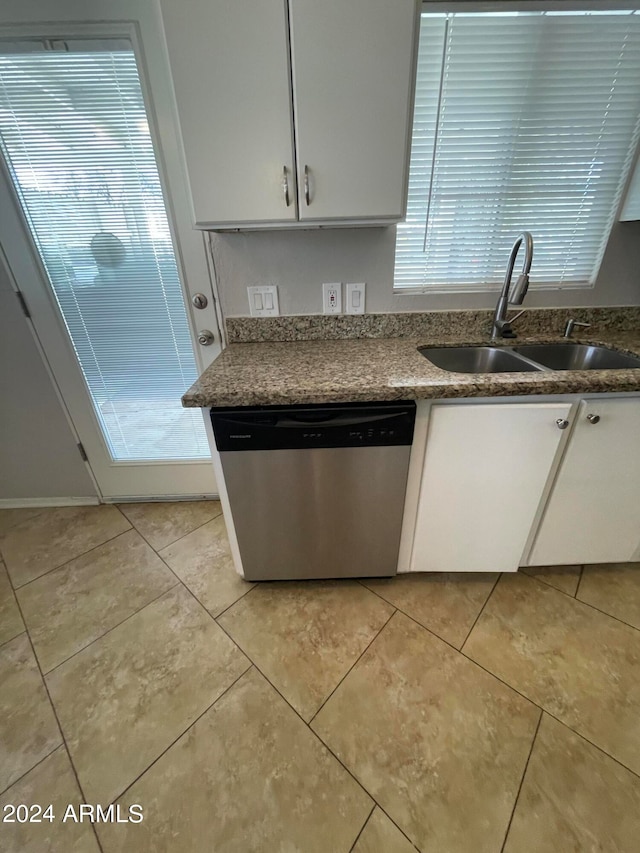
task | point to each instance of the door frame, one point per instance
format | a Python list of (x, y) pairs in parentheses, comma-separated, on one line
[(139, 22)]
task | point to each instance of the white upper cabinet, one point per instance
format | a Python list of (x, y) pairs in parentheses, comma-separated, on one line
[(328, 132), (352, 66), (593, 512), (230, 67)]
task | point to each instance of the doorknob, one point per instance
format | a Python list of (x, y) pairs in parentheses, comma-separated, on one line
[(593, 419), (562, 423), (205, 337)]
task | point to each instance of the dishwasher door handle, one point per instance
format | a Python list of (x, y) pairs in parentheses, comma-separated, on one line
[(293, 421)]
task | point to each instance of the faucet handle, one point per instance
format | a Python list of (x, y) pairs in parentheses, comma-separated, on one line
[(517, 316), (571, 324)]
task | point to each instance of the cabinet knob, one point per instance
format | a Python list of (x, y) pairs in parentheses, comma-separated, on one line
[(561, 423), (205, 337), (285, 186), (593, 419), (307, 196)]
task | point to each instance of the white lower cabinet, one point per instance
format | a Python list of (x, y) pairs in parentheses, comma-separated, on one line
[(593, 511), (483, 478)]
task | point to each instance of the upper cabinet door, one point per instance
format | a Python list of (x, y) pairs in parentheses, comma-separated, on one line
[(230, 66), (353, 70)]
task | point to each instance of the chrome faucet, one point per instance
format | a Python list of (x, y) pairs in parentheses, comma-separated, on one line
[(501, 326)]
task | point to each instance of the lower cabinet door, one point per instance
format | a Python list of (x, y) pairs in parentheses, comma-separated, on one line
[(593, 512), (485, 471)]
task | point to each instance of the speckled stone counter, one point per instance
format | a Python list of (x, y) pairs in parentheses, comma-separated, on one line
[(461, 323), (360, 369)]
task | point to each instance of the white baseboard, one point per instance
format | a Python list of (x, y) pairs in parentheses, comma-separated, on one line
[(28, 503), (129, 499)]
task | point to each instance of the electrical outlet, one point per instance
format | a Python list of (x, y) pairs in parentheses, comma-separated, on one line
[(332, 298), (355, 297), (263, 300)]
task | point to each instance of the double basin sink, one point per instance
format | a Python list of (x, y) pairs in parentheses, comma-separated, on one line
[(528, 357)]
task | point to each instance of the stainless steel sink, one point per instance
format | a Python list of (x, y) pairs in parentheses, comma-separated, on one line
[(478, 359), (577, 357)]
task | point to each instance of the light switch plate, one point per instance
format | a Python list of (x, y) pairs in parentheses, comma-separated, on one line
[(332, 297), (263, 300), (355, 297)]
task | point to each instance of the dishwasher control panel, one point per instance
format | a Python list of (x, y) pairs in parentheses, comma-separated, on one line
[(298, 427)]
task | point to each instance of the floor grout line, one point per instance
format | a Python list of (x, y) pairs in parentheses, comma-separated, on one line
[(66, 562), (541, 578), (182, 734), (25, 520), (298, 714), (37, 764), (180, 581), (173, 542), (315, 734), (414, 619), (581, 601), (109, 630), (524, 773), (11, 639), (353, 665), (373, 808), (575, 595), (511, 687), (481, 611), (384, 812), (233, 604), (58, 723), (523, 695)]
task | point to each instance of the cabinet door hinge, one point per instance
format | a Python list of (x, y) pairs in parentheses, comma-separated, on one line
[(23, 304), (83, 452)]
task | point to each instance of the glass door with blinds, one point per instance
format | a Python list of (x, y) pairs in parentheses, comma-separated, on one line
[(76, 141)]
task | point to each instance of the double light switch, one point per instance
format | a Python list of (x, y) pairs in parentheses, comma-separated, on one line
[(263, 300)]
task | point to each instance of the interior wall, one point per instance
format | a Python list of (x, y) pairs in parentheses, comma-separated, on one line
[(299, 261), (38, 454)]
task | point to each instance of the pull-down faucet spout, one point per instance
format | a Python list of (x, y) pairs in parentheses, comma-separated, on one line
[(501, 326)]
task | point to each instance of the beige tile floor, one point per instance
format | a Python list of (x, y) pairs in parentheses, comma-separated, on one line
[(445, 714)]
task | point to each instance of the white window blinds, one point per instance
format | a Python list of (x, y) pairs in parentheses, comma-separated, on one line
[(74, 132), (522, 121)]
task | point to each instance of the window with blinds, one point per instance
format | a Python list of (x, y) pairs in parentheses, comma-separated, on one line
[(523, 121), (74, 133)]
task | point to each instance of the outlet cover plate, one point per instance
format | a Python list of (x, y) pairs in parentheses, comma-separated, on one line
[(263, 300), (332, 297)]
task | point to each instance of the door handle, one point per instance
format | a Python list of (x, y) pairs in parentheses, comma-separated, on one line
[(307, 192), (285, 186), (205, 338)]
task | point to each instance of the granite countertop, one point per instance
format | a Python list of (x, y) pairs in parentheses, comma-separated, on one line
[(362, 369)]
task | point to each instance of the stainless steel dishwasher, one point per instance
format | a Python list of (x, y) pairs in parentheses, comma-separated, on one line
[(316, 491)]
